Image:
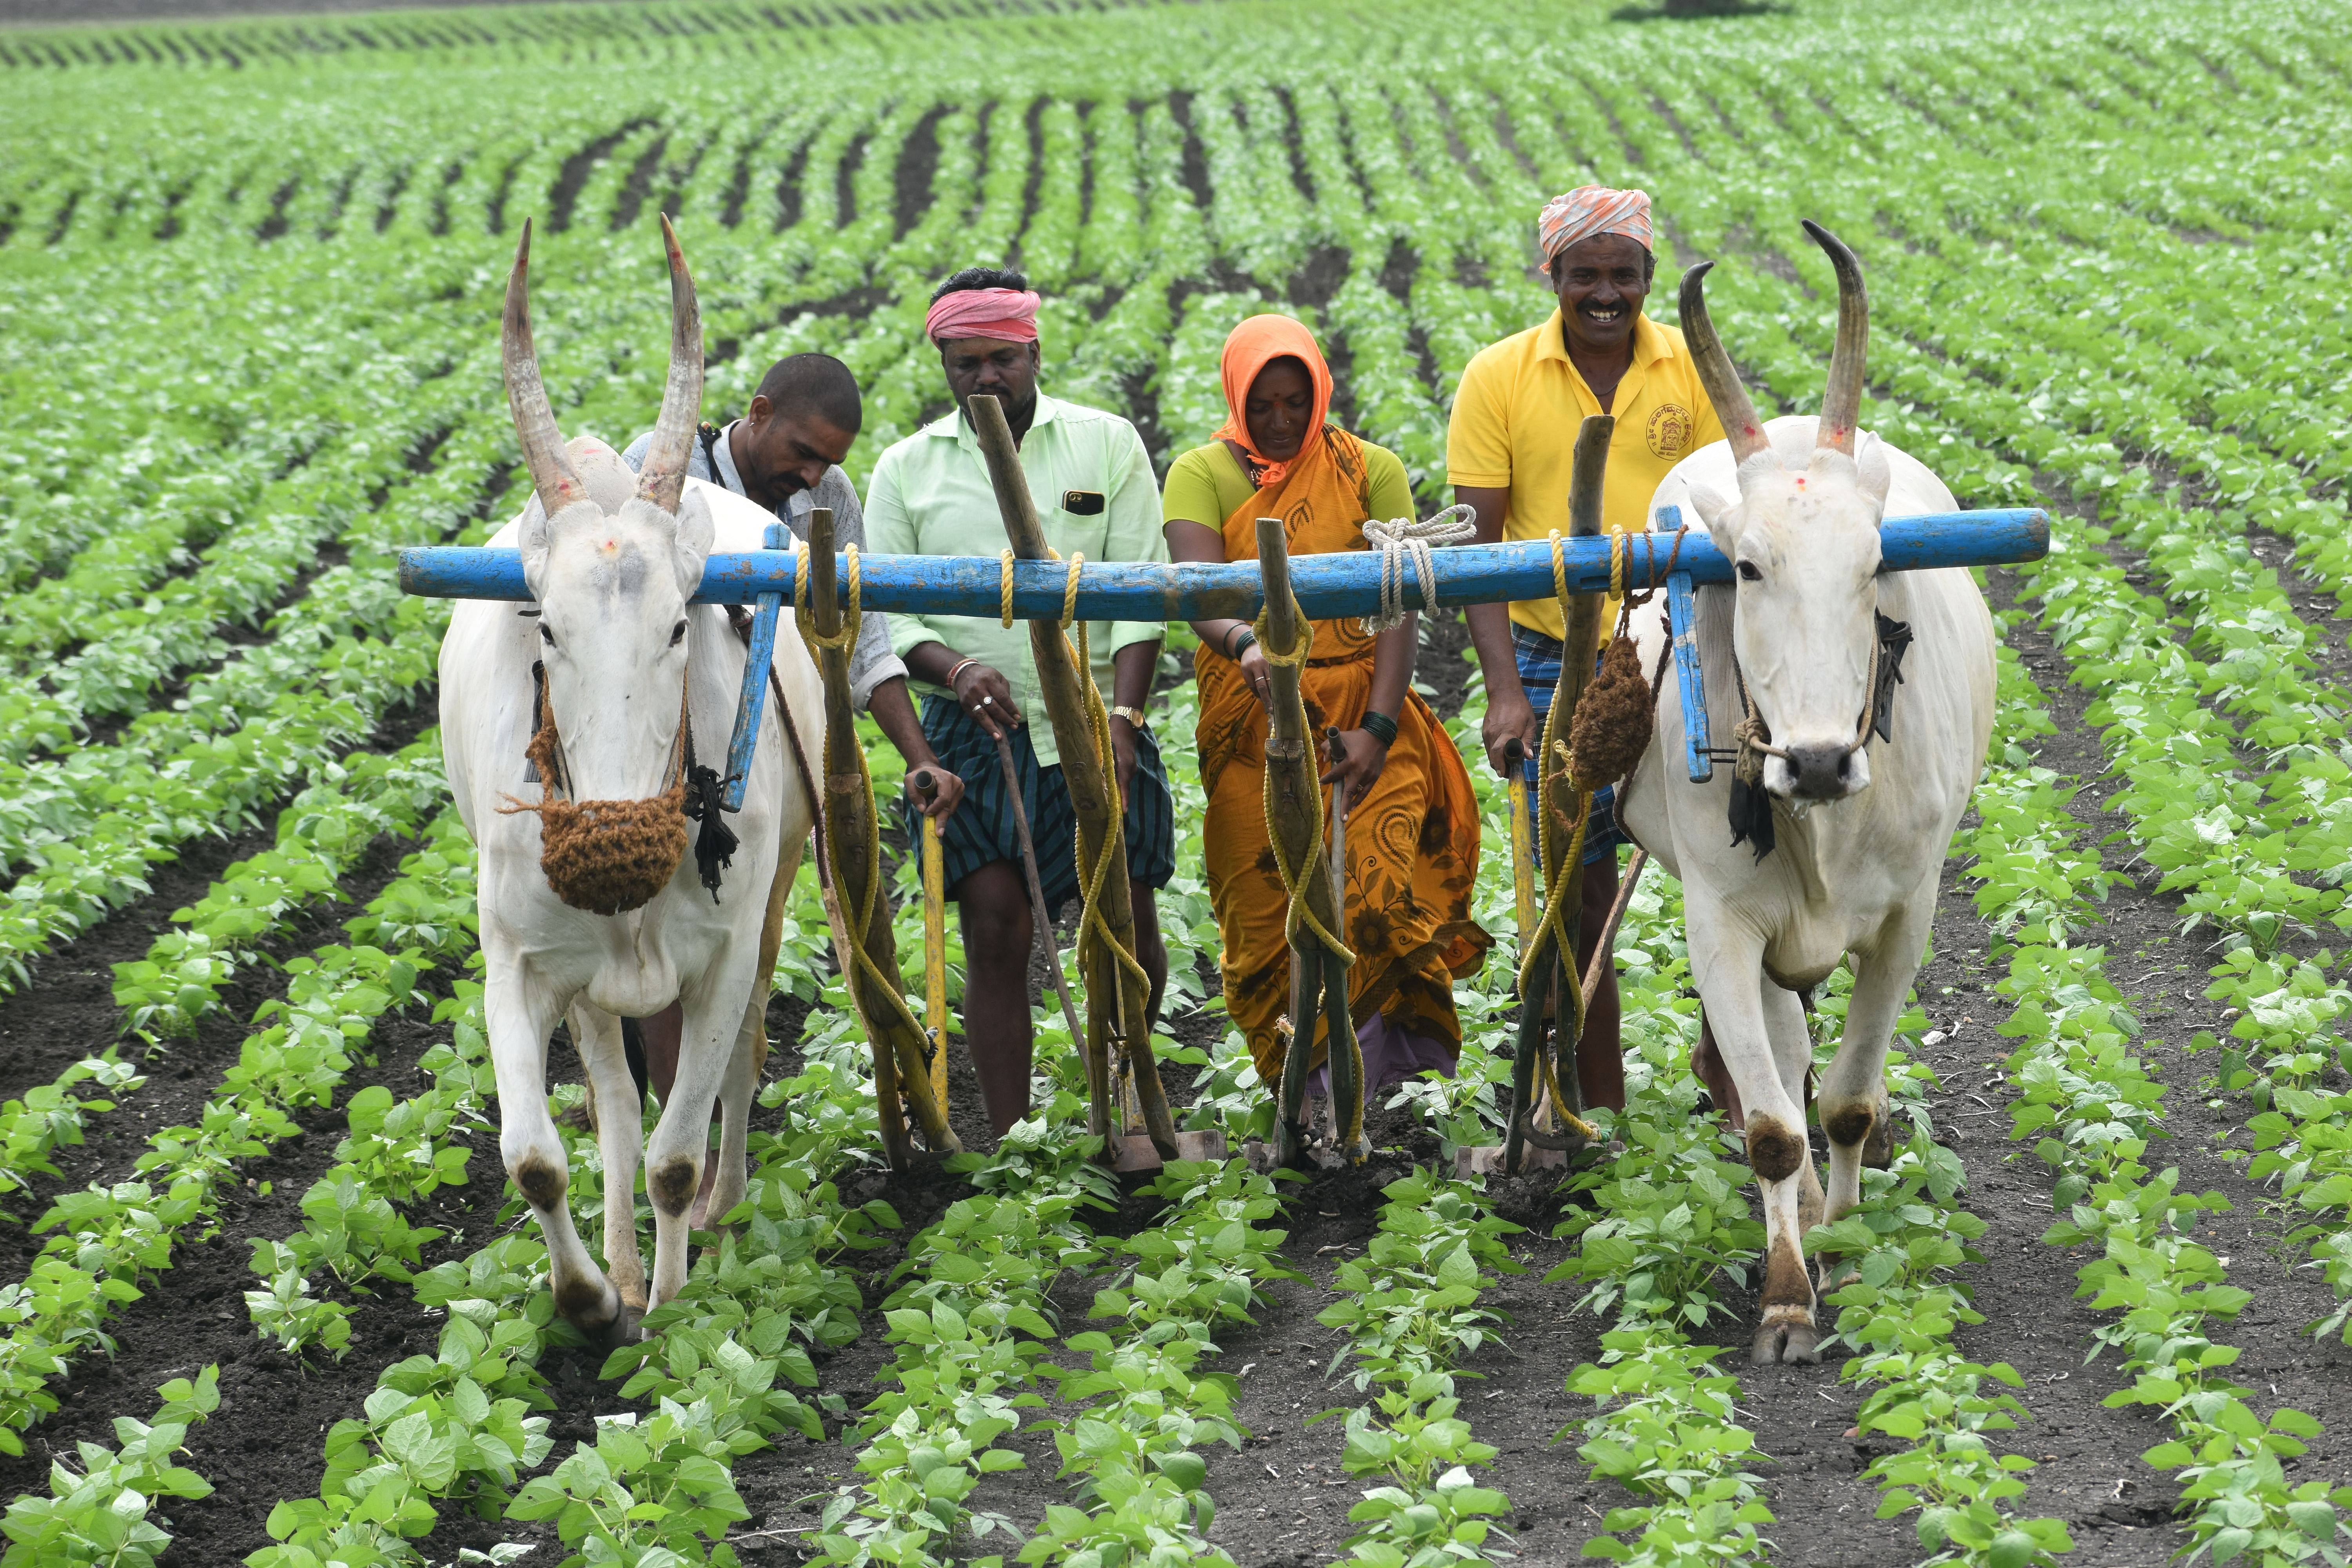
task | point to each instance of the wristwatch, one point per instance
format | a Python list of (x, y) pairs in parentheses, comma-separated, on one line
[(1135, 716)]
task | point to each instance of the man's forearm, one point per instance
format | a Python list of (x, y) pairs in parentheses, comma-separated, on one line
[(1132, 670), (1490, 635), (930, 662), (893, 711)]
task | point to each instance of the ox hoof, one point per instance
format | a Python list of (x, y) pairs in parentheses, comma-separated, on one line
[(1788, 1344), (601, 1314), (627, 1328)]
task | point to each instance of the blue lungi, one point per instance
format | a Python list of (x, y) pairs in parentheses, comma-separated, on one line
[(982, 829), (1538, 658)]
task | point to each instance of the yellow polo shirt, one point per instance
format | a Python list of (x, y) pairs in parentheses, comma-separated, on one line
[(1515, 421)]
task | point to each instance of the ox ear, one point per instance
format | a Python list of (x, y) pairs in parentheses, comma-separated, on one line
[(696, 531), (1873, 473), (1716, 512), (533, 538)]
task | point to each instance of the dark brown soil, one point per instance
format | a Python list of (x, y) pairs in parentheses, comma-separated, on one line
[(66, 1010)]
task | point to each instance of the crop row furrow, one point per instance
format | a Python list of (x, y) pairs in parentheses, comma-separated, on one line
[(109, 1238), (2092, 1106)]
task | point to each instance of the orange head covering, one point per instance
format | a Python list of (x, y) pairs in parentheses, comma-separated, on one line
[(1251, 347)]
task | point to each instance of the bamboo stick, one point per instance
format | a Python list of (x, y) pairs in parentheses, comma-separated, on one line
[(1318, 978), (1117, 1009), (934, 942), (1578, 649), (850, 831)]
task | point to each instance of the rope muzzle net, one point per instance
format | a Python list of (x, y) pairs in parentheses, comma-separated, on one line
[(606, 856)]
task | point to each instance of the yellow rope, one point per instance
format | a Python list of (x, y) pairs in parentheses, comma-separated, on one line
[(1553, 749), (1294, 878), (1094, 933), (889, 986), (844, 641)]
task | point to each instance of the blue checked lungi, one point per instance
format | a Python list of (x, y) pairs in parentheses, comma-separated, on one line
[(982, 829), (1538, 658)]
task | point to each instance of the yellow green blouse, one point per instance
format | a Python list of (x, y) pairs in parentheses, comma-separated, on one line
[(1207, 485)]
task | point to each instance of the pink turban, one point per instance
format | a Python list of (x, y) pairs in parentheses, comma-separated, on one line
[(1589, 210), (1007, 313)]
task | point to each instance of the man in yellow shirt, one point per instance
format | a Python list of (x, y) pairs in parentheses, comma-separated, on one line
[(1509, 452)]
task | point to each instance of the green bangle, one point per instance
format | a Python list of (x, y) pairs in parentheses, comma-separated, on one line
[(1380, 727), (1239, 644)]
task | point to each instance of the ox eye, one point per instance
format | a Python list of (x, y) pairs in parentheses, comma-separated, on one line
[(1748, 573), (676, 634), (545, 635)]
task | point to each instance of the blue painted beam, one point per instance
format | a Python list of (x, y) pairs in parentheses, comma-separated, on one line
[(753, 701), (1327, 586)]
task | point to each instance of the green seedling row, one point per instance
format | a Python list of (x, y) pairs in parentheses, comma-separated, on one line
[(111, 1239)]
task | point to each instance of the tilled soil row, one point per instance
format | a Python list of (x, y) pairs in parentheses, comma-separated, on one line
[(67, 1011)]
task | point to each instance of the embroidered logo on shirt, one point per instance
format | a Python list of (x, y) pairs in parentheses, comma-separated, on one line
[(1670, 430)]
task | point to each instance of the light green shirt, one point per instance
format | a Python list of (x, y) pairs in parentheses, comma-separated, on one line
[(931, 495)]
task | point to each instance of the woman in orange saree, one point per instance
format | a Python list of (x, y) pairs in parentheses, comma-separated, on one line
[(1412, 819)]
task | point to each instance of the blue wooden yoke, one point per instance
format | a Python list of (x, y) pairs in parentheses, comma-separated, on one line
[(1327, 587), (1681, 614), (1345, 583)]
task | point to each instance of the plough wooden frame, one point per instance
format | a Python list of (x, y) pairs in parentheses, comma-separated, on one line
[(1323, 587)]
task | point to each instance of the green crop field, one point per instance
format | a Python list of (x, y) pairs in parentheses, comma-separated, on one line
[(249, 281)]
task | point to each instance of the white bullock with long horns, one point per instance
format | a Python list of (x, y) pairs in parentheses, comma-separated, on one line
[(570, 728), (1866, 706)]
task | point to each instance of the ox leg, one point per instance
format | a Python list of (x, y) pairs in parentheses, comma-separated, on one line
[(742, 1080), (735, 1093), (520, 1015), (620, 1141), (1728, 963), (681, 1141), (1853, 1106), (1793, 1058)]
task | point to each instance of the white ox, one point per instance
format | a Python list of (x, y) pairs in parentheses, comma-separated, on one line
[(612, 558), (1862, 830)]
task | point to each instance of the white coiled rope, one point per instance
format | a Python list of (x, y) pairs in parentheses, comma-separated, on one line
[(1401, 538)]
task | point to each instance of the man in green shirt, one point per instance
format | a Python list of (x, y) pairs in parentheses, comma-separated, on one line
[(931, 495)]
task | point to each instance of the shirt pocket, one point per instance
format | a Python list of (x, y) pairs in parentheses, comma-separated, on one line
[(1081, 522)]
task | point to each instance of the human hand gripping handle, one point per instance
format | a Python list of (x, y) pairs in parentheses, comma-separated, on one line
[(1511, 732), (1356, 758), (936, 791)]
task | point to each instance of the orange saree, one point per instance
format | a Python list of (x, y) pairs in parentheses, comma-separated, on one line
[(1411, 843)]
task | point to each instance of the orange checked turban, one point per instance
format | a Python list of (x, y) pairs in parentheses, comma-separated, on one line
[(1589, 210)]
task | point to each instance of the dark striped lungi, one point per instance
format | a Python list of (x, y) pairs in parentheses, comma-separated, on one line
[(1537, 657), (981, 828)]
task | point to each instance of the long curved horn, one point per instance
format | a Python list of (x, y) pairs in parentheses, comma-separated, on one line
[(1842, 399), (1715, 369), (663, 478), (552, 473)]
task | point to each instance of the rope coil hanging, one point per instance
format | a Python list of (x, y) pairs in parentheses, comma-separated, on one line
[(1403, 540)]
